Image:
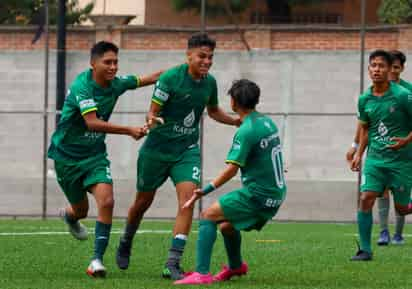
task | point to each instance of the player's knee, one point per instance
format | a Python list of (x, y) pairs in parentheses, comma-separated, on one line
[(142, 204), (207, 215), (366, 201), (226, 228), (108, 203), (402, 210), (81, 213)]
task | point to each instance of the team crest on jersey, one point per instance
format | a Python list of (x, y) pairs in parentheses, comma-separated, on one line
[(189, 119)]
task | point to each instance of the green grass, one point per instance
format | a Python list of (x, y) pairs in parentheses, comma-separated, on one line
[(307, 256)]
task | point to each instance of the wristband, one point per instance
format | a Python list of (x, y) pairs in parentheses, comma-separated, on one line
[(355, 145), (208, 188)]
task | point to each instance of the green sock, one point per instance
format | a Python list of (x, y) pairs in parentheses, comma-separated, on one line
[(365, 230), (383, 209), (102, 232), (399, 223), (205, 242), (232, 245)]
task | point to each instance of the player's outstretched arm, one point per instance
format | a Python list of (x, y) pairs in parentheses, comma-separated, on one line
[(150, 78), (216, 113), (95, 124), (228, 173)]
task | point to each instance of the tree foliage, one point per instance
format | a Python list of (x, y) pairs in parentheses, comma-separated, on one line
[(395, 11), (29, 11)]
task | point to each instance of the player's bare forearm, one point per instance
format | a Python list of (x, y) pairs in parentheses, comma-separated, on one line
[(219, 115), (154, 111), (357, 133), (150, 78), (93, 123), (363, 138), (228, 173)]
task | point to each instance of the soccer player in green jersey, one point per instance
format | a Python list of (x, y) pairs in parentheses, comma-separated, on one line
[(256, 150), (171, 149), (385, 115), (398, 65), (78, 145)]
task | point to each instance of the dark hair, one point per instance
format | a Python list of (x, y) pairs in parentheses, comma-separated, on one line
[(101, 48), (381, 53), (199, 40), (245, 93), (398, 55)]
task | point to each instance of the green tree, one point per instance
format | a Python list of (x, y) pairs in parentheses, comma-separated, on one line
[(395, 11), (28, 11)]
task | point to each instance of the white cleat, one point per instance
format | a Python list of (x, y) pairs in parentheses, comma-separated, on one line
[(96, 269), (78, 230)]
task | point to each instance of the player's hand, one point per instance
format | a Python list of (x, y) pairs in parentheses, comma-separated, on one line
[(356, 163), (238, 122), (197, 194), (153, 122), (350, 154), (137, 132), (399, 143)]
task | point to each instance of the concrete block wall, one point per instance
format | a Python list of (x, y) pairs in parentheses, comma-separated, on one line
[(302, 83)]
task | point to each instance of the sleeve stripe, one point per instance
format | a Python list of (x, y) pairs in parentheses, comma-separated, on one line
[(157, 102), (89, 110), (234, 162)]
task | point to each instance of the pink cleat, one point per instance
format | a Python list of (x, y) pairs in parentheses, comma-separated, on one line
[(195, 279), (226, 273)]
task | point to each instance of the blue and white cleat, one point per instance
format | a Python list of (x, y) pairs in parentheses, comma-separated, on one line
[(384, 238), (78, 230), (398, 239)]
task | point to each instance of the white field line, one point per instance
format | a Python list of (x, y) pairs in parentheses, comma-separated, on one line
[(356, 235), (90, 230)]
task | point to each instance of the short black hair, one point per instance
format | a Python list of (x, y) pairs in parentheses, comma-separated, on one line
[(381, 53), (199, 40), (245, 93), (398, 55), (102, 47)]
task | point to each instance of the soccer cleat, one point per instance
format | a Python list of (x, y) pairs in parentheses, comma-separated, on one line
[(96, 269), (362, 256), (78, 230), (398, 239), (173, 271), (123, 255), (384, 238), (226, 273), (195, 279)]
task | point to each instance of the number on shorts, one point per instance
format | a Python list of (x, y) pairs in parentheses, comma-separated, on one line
[(196, 173), (278, 167)]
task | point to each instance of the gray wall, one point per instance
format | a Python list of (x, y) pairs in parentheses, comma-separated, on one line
[(320, 185)]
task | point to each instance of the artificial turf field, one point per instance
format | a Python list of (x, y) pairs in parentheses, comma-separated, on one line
[(282, 255)]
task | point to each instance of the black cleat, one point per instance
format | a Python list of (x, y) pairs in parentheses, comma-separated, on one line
[(173, 271), (123, 255), (362, 256)]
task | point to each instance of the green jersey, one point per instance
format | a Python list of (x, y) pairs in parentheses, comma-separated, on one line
[(72, 141), (256, 150), (405, 84), (183, 101), (387, 116)]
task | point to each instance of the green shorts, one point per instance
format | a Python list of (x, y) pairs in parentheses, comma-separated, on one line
[(246, 211), (75, 179), (376, 178), (153, 171)]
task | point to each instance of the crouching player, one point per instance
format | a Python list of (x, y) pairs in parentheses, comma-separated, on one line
[(256, 151)]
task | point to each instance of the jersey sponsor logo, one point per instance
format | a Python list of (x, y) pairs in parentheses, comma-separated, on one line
[(160, 94), (189, 119), (93, 134), (87, 103), (382, 129), (264, 142), (183, 130)]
